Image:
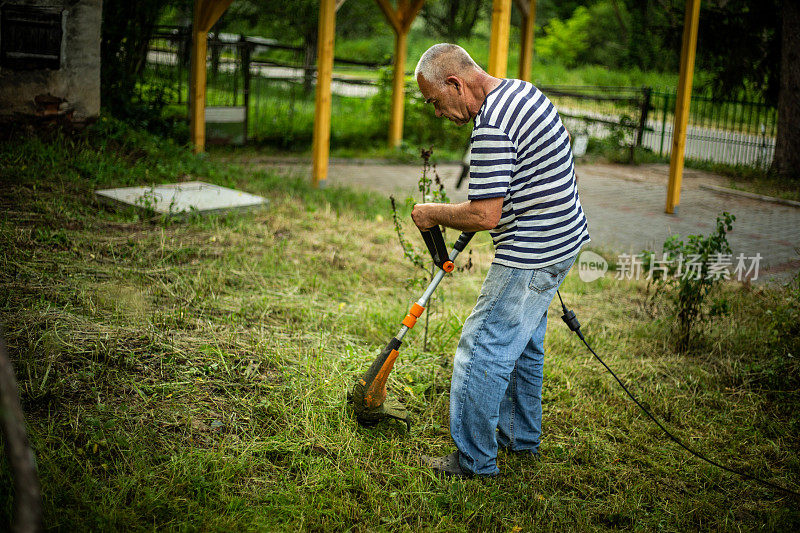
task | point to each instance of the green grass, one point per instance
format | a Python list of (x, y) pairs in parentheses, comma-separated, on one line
[(191, 375)]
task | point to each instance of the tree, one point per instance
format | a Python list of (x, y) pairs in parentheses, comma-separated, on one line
[(739, 44), (452, 20), (786, 163), (124, 41), (755, 46), (290, 20), (748, 47), (557, 9)]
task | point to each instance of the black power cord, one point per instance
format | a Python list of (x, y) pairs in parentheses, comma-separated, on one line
[(572, 322)]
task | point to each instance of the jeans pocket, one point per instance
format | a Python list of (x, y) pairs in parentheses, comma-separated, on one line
[(549, 277)]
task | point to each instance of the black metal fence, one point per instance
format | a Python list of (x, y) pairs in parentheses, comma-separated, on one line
[(600, 111), (270, 81), (734, 132)]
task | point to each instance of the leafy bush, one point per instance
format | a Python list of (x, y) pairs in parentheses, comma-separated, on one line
[(565, 41), (690, 283), (786, 320)]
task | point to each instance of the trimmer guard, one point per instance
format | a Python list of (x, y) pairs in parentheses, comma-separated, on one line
[(368, 417)]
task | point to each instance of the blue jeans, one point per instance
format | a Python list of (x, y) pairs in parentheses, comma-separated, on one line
[(496, 390)]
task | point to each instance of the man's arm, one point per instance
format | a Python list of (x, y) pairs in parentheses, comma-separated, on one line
[(473, 215)]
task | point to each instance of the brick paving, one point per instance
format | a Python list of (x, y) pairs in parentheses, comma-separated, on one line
[(624, 206)]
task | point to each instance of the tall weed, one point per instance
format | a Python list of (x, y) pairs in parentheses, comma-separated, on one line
[(689, 283)]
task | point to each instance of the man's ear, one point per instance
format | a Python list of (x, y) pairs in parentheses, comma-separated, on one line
[(456, 82)]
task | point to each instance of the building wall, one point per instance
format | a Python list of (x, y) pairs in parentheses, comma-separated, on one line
[(77, 82)]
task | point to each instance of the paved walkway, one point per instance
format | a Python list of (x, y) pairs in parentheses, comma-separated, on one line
[(624, 206)]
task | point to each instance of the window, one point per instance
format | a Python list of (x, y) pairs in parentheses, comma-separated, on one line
[(30, 38)]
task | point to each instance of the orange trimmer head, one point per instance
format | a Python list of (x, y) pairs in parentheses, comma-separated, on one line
[(369, 396)]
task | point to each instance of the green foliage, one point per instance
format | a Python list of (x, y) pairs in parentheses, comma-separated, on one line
[(431, 190), (409, 252), (785, 320), (193, 377), (739, 45), (125, 36), (453, 19), (606, 36), (618, 145), (566, 41), (690, 276), (555, 9), (378, 48)]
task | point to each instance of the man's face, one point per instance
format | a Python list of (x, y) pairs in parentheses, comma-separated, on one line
[(448, 101)]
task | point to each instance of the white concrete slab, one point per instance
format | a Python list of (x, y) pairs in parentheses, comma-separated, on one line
[(224, 115), (176, 198)]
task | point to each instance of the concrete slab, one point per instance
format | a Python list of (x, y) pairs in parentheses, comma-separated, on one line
[(176, 198), (225, 125)]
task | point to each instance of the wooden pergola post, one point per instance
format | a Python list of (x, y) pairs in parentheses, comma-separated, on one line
[(528, 10), (400, 19), (498, 46), (398, 90), (682, 102), (322, 114), (206, 13)]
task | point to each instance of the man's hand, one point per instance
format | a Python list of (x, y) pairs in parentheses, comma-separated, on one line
[(422, 215), (473, 215)]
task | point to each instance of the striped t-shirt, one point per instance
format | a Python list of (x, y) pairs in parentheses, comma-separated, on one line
[(520, 151)]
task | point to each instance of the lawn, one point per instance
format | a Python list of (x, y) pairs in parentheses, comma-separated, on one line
[(192, 374)]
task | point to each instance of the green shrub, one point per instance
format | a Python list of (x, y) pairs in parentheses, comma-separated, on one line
[(565, 41), (689, 284), (786, 321)]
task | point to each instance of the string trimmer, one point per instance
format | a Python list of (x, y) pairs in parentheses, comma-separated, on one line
[(369, 393)]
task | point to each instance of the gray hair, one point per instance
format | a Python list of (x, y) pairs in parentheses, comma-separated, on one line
[(443, 60)]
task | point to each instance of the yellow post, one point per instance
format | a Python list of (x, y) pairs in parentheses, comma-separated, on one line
[(526, 46), (198, 85), (684, 97), (206, 13), (498, 47), (398, 89), (400, 19), (322, 114)]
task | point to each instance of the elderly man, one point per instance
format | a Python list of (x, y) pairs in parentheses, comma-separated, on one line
[(522, 187)]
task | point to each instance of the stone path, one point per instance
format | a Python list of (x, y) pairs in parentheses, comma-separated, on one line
[(624, 206)]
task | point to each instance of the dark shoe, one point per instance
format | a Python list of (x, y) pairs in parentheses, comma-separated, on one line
[(524, 454), (447, 465)]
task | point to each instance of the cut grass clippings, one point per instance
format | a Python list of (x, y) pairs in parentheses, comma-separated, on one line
[(192, 375)]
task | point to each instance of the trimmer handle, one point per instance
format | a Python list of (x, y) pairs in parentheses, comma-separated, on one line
[(435, 242), (463, 240), (438, 249)]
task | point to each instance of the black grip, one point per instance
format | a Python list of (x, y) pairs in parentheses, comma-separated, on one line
[(435, 242), (463, 240)]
